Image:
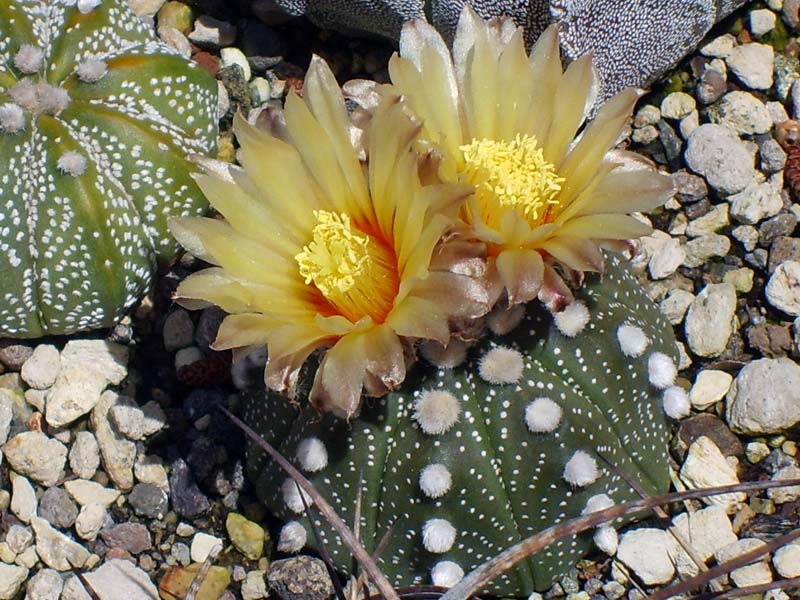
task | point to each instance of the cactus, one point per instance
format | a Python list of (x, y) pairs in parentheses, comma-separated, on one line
[(96, 119), (468, 460)]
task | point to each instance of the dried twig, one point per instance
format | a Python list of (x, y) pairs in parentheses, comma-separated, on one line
[(363, 557), (200, 576), (504, 561)]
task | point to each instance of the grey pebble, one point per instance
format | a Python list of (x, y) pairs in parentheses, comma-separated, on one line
[(58, 508), (717, 153), (148, 500)]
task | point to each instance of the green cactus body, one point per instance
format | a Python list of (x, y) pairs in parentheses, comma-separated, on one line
[(96, 119), (499, 470)]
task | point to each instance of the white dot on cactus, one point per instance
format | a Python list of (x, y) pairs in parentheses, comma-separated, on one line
[(501, 365), (28, 59), (596, 503), (87, 6), (444, 357), (446, 573), (292, 496), (312, 455), (675, 402), (503, 320), (542, 415), (91, 70), (572, 319), (581, 470), (661, 370), (436, 411), (12, 118), (632, 340), (606, 539), (292, 537), (435, 480), (72, 163), (438, 535)]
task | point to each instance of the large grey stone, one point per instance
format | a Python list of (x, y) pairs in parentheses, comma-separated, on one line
[(710, 318), (55, 549), (717, 153), (39, 457), (765, 397), (118, 579)]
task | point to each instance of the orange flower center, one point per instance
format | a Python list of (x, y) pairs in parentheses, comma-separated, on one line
[(355, 272)]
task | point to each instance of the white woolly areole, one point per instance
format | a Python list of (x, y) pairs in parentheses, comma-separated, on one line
[(596, 503), (91, 70), (444, 357), (632, 340), (72, 163), (29, 59), (572, 319), (436, 411), (542, 415), (504, 320), (292, 496), (675, 402), (606, 539), (581, 470), (446, 573), (438, 535), (312, 454), (292, 537), (12, 118), (501, 365), (661, 370), (435, 480), (87, 6)]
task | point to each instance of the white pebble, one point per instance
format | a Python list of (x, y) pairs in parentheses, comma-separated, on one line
[(312, 455), (581, 470), (87, 6), (501, 365), (542, 415), (72, 163), (446, 573), (293, 496), (438, 535), (572, 319), (606, 539), (675, 402), (436, 411), (435, 480), (292, 537), (661, 370), (632, 340)]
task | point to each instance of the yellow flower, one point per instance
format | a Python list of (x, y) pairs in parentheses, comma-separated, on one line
[(507, 123), (317, 250)]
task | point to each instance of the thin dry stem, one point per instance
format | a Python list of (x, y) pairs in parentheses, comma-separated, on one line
[(363, 557)]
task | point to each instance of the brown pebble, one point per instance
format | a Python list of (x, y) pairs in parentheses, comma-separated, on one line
[(710, 426)]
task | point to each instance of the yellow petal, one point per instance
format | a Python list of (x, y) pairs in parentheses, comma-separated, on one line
[(581, 164), (214, 285), (545, 69), (521, 272), (420, 318), (575, 253), (340, 377), (517, 87), (568, 114), (625, 191), (480, 88), (385, 358), (245, 329), (322, 94), (607, 227)]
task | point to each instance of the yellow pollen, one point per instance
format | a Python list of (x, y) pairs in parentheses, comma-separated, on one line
[(513, 173), (336, 256)]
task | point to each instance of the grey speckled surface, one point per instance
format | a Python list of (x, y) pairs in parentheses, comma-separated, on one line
[(634, 41)]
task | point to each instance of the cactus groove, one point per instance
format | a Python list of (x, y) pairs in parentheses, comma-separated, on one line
[(96, 119), (466, 467)]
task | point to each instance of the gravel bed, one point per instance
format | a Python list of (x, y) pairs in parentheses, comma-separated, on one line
[(115, 463)]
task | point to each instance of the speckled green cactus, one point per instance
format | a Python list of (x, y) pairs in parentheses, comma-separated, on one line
[(96, 119), (469, 460)]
